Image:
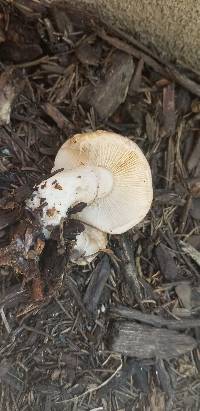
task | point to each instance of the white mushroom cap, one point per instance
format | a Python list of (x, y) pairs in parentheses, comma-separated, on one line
[(129, 200), (87, 245)]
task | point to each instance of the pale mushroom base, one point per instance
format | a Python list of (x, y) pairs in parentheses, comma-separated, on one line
[(87, 245)]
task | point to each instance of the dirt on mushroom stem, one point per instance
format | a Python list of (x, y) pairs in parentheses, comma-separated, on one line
[(58, 352)]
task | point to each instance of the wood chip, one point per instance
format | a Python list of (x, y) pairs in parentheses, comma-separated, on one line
[(128, 267), (142, 341), (194, 157), (195, 208), (150, 127), (2, 36), (135, 83), (4, 367), (7, 219), (88, 54), (157, 400), (164, 377), (169, 115), (194, 186), (191, 251), (194, 241), (189, 298), (166, 262), (184, 293), (96, 285), (62, 21), (182, 101), (106, 96), (62, 122), (19, 53), (195, 106), (37, 289)]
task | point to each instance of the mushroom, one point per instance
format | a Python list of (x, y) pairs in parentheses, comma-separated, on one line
[(106, 171)]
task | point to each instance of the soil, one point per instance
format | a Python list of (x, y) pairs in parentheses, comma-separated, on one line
[(122, 333)]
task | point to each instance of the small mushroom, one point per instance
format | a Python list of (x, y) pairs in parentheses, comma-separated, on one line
[(106, 171)]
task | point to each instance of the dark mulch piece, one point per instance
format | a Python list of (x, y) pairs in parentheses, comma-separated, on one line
[(96, 285), (123, 333), (106, 95), (142, 341)]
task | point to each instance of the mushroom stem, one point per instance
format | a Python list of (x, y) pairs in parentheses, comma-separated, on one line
[(54, 196), (87, 245)]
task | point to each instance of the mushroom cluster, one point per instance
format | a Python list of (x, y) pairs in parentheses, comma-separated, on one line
[(107, 172)]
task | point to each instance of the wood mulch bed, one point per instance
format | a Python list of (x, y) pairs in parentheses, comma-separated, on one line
[(123, 333)]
